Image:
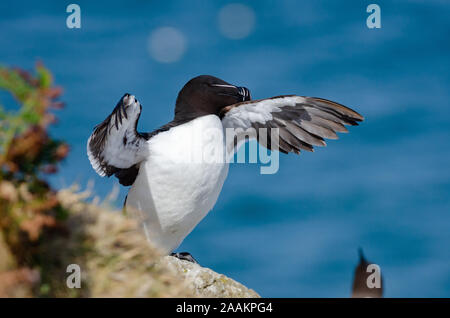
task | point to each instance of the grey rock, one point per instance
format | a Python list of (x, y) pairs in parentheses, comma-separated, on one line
[(204, 282)]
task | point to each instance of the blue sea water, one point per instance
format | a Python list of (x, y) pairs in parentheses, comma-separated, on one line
[(384, 187)]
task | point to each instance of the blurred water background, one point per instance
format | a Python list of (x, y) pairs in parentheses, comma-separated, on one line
[(384, 187)]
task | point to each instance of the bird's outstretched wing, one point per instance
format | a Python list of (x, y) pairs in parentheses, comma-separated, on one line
[(302, 122), (115, 147)]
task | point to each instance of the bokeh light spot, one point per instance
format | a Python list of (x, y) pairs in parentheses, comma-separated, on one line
[(167, 44), (236, 21)]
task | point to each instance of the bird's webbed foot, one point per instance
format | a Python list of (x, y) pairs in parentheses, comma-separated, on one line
[(185, 256)]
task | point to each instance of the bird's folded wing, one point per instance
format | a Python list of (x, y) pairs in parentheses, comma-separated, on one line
[(302, 122), (115, 147)]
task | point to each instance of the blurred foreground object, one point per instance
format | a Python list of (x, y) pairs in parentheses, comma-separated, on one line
[(30, 211), (360, 284), (26, 149), (115, 260)]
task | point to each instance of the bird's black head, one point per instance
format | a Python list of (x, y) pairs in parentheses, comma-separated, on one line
[(205, 95)]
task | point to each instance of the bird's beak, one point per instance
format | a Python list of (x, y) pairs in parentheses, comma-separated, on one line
[(241, 93), (244, 92)]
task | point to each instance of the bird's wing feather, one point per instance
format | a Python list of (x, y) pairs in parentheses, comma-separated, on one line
[(302, 122), (115, 147)]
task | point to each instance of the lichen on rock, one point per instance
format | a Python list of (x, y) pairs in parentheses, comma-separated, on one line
[(203, 282)]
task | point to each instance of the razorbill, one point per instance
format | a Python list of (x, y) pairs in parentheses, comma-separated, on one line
[(362, 275), (176, 172)]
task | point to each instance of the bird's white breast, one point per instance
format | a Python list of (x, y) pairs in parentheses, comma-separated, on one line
[(180, 181)]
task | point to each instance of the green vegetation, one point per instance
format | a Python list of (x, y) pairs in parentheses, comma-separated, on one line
[(29, 208)]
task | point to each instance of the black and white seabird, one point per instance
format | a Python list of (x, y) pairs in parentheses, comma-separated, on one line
[(172, 188), (361, 276)]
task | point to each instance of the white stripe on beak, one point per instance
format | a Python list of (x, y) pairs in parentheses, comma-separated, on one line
[(223, 85)]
